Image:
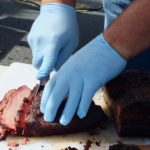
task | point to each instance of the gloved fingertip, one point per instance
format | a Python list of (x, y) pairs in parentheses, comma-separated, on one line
[(63, 121), (81, 114), (48, 117), (42, 108)]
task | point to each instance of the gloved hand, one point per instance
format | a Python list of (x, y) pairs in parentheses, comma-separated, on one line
[(53, 37), (79, 78)]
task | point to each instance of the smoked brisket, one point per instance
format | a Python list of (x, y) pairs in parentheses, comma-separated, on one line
[(123, 147), (20, 115), (129, 147), (128, 96)]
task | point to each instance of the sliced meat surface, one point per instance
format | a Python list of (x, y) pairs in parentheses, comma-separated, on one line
[(21, 115), (5, 99), (15, 99)]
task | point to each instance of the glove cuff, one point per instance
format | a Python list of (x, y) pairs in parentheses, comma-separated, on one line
[(112, 53), (57, 6)]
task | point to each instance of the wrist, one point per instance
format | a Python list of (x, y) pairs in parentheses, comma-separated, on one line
[(68, 2), (119, 46), (113, 52)]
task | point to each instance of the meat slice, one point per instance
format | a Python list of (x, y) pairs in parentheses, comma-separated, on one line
[(5, 99), (15, 101), (9, 108), (3, 103), (3, 132), (21, 116)]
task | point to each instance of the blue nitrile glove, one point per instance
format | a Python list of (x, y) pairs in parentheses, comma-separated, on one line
[(53, 37), (79, 78)]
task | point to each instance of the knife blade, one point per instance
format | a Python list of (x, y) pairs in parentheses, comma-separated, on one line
[(41, 85)]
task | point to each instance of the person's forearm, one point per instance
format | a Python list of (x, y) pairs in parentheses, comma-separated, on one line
[(69, 2), (129, 34)]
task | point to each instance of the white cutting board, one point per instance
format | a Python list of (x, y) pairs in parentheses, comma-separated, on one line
[(19, 74), (16, 75)]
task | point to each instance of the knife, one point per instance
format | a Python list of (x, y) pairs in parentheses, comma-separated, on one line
[(41, 84)]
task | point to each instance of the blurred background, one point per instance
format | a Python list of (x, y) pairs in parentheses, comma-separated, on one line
[(17, 16)]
